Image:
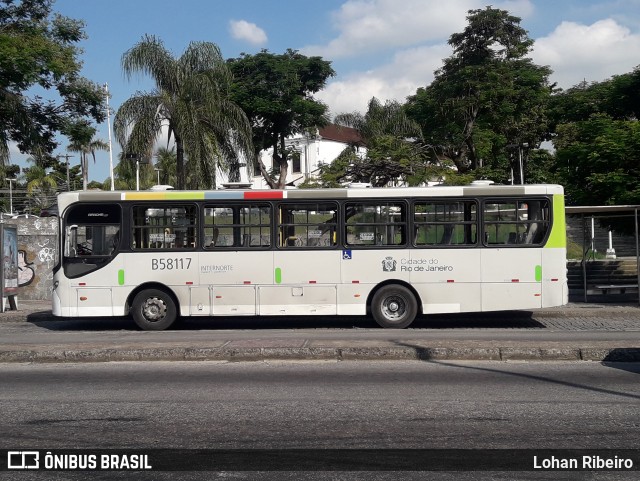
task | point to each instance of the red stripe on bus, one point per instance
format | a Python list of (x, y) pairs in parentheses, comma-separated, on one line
[(82, 283), (515, 280), (450, 280), (554, 280), (355, 282), (312, 282), (264, 195), (247, 282)]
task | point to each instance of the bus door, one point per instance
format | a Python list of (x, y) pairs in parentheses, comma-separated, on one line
[(90, 260), (306, 263), (512, 259), (237, 256)]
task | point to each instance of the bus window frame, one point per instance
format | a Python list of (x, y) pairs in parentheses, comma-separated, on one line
[(230, 204), (277, 224), (408, 222), (164, 205), (446, 200), (516, 200)]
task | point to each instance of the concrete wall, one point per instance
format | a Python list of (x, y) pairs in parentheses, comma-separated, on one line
[(37, 254)]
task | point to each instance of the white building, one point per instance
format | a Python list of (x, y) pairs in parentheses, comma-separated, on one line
[(311, 151)]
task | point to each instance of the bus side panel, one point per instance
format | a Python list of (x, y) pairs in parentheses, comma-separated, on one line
[(97, 293), (304, 282), (233, 277), (94, 301), (511, 278), (302, 299), (447, 280), (374, 266), (234, 300), (555, 291)]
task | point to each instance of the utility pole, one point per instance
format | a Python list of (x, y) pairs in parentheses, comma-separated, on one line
[(66, 157), (106, 89)]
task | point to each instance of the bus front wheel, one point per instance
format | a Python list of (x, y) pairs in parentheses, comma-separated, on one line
[(394, 306), (154, 310)]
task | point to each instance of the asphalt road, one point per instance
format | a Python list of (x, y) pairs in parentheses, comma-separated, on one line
[(322, 405), (573, 332)]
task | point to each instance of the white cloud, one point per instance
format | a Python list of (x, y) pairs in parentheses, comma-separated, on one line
[(372, 26), (409, 69), (416, 30), (247, 31), (593, 52)]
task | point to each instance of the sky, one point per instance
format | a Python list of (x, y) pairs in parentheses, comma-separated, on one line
[(378, 48)]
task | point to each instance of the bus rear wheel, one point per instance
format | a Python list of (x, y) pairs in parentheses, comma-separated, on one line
[(394, 306), (154, 310)]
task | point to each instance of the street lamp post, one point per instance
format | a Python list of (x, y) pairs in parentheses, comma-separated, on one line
[(11, 181), (158, 172)]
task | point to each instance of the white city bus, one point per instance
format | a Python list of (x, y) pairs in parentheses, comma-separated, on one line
[(393, 253)]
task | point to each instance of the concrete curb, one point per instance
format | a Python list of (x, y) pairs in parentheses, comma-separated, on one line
[(61, 355)]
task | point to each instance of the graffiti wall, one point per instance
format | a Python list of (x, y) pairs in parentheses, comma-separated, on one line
[(37, 254)]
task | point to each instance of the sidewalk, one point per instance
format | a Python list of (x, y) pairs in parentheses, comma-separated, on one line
[(576, 332)]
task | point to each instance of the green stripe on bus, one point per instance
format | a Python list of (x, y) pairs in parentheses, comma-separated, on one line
[(121, 277), (278, 275), (558, 236), (538, 273)]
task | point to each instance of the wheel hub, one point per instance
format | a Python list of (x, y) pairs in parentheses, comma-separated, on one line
[(154, 309), (394, 307)]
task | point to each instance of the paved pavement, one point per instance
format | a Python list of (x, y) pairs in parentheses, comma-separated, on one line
[(576, 332)]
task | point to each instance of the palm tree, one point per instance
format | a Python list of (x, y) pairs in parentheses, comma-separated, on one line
[(41, 187), (126, 174), (381, 120), (166, 162), (87, 146), (192, 97)]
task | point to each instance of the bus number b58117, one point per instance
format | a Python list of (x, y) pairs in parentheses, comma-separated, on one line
[(170, 264)]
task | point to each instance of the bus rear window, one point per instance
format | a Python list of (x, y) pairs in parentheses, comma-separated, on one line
[(516, 222)]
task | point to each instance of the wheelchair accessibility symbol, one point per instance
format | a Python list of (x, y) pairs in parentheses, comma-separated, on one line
[(346, 254)]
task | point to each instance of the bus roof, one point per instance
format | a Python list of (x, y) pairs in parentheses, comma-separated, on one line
[(66, 198)]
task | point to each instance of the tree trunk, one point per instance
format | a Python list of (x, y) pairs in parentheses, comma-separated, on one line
[(85, 174), (283, 165), (179, 163)]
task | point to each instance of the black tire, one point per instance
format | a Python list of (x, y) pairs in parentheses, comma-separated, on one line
[(394, 306), (154, 310)]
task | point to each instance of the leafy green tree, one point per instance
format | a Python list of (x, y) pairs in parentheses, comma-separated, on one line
[(276, 92), (617, 97), (595, 134), (192, 97), (487, 96), (38, 52), (598, 160)]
